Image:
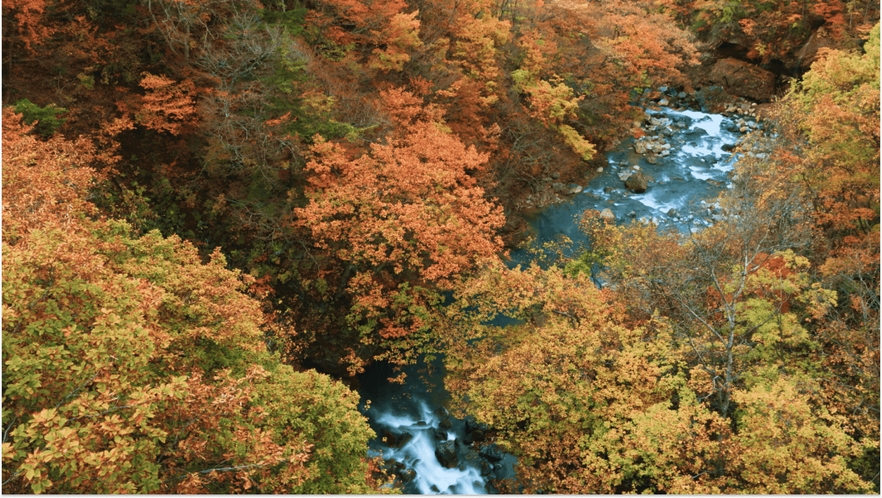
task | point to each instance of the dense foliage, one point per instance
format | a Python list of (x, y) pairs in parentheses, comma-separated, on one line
[(131, 365), (742, 358), (212, 210)]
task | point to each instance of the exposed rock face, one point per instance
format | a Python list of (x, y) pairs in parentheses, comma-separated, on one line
[(809, 52), (743, 79), (637, 183)]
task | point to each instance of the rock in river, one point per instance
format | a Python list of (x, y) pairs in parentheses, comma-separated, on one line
[(637, 183), (446, 454)]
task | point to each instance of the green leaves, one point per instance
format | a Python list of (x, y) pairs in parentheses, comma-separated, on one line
[(44, 119)]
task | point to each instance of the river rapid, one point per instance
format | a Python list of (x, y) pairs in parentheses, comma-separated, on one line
[(686, 159)]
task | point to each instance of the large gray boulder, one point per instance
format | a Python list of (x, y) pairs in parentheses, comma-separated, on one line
[(637, 183), (743, 79)]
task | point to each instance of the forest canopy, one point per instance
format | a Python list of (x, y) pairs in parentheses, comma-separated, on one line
[(216, 214)]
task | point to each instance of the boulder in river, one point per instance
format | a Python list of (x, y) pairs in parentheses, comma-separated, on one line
[(491, 453), (574, 188), (608, 216), (446, 454), (640, 148), (637, 183), (407, 475), (743, 79), (396, 440)]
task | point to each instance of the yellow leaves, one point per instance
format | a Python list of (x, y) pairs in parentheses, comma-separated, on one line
[(783, 445), (400, 36), (565, 371), (479, 40), (579, 144), (44, 416)]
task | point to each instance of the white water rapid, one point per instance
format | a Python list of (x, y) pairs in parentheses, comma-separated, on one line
[(418, 452)]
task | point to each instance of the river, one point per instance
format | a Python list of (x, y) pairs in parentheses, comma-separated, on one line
[(685, 157)]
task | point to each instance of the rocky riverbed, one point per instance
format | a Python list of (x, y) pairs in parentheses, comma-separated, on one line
[(669, 175), (652, 137)]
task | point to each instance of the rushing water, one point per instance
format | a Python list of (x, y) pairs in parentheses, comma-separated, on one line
[(689, 167), (430, 451), (683, 182)]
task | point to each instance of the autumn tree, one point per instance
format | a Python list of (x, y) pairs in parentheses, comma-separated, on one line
[(131, 365), (402, 221), (587, 401), (594, 399), (829, 143)]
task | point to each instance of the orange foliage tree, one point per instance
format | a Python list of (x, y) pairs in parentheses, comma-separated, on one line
[(404, 220)]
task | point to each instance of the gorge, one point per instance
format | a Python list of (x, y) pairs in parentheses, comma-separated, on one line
[(686, 157)]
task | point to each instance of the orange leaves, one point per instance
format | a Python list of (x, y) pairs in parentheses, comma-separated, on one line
[(411, 197), (407, 212), (407, 109), (167, 105), (44, 183), (410, 204), (29, 16)]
